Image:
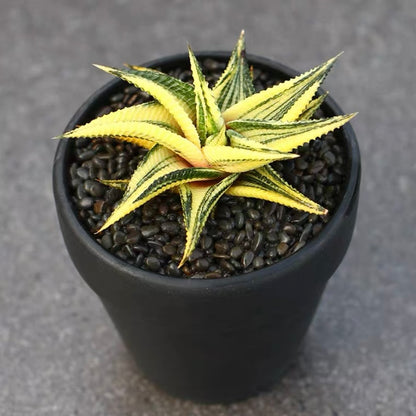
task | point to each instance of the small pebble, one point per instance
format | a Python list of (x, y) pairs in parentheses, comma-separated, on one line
[(236, 252), (253, 214), (316, 166), (221, 247), (306, 232), (83, 173), (169, 249), (258, 262), (152, 263), (239, 220), (249, 230), (298, 246), (97, 189), (283, 237), (149, 230), (196, 254), (119, 237), (87, 155), (271, 252), (170, 227), (301, 163), (225, 225), (257, 242), (201, 265), (133, 237), (240, 237), (173, 270), (86, 202), (282, 248), (272, 237), (247, 258), (329, 158), (107, 241), (213, 275), (206, 242)]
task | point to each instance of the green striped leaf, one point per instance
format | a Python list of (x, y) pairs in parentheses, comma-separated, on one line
[(237, 140), (265, 183), (219, 138), (285, 101), (115, 183), (198, 200), (208, 116), (282, 137), (151, 131), (176, 96), (312, 107), (152, 111), (160, 170), (231, 159), (235, 83)]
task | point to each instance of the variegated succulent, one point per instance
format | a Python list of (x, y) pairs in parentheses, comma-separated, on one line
[(205, 142)]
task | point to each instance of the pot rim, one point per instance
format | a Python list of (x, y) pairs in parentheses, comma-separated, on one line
[(274, 271)]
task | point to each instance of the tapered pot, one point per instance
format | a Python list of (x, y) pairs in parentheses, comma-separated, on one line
[(216, 340)]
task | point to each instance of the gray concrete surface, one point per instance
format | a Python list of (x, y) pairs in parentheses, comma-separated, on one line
[(59, 354)]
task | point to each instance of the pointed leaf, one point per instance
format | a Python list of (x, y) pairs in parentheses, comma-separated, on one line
[(115, 183), (283, 137), (219, 138), (265, 183), (198, 200), (284, 101), (236, 83), (312, 107), (152, 111), (160, 170), (229, 159), (176, 96), (144, 130), (208, 116)]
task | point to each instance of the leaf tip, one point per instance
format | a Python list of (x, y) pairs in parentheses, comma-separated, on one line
[(103, 227), (182, 262), (104, 68), (190, 52), (332, 60), (349, 117)]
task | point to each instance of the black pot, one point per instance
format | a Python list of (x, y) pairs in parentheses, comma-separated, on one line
[(216, 340)]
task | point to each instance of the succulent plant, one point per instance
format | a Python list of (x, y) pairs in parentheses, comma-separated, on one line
[(205, 141)]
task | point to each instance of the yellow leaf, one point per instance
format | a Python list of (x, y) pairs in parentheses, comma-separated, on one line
[(152, 111), (176, 96), (160, 170), (115, 183), (208, 116), (219, 138), (198, 200), (312, 107), (148, 131), (236, 82), (265, 183), (283, 137), (229, 159), (289, 97)]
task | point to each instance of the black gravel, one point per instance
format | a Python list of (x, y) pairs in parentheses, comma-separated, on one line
[(242, 234)]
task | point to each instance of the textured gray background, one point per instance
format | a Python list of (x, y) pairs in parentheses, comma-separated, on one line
[(59, 354)]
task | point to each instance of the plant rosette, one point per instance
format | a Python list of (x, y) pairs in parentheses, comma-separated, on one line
[(216, 145)]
